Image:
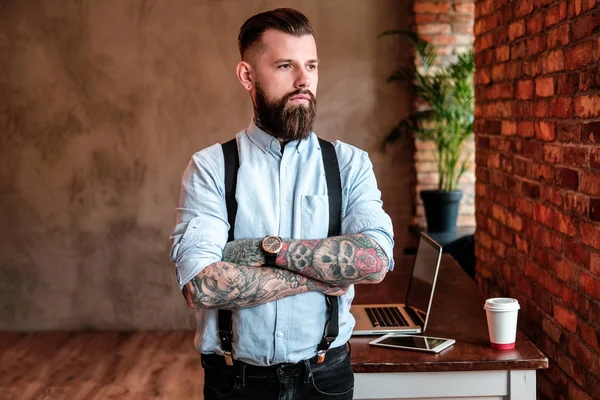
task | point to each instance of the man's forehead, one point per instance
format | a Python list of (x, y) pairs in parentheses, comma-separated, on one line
[(277, 44)]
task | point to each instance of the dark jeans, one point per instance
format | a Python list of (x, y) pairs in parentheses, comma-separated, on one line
[(332, 379)]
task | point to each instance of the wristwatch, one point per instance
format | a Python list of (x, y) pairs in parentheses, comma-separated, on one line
[(271, 246)]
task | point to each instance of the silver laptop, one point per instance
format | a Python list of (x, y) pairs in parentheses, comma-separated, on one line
[(410, 317)]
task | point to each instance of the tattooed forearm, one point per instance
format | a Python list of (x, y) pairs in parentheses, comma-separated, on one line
[(244, 252), (228, 286), (341, 260)]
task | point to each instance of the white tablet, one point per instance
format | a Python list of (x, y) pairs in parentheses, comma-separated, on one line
[(412, 342)]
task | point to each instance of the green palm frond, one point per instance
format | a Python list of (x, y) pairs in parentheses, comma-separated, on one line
[(427, 53), (448, 93)]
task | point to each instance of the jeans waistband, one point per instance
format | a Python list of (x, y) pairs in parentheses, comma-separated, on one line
[(218, 361)]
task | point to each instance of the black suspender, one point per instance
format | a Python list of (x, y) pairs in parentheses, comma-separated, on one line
[(334, 191), (334, 186), (232, 163)]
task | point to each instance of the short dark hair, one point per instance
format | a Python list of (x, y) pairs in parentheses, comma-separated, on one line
[(285, 20)]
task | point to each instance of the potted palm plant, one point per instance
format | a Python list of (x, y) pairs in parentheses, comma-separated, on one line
[(445, 118)]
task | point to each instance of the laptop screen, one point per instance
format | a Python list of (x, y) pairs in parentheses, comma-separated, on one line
[(420, 290)]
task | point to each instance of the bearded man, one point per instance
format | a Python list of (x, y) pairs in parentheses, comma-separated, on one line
[(272, 234)]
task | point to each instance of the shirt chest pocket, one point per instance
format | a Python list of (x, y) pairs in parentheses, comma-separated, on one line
[(314, 216)]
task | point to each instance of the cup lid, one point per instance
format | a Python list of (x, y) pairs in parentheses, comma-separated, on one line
[(501, 304)]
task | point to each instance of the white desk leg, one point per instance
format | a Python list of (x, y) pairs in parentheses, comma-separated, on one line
[(522, 384)]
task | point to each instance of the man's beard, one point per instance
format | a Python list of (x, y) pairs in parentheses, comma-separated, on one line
[(283, 119)]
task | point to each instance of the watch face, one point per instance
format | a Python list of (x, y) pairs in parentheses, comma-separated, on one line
[(272, 244)]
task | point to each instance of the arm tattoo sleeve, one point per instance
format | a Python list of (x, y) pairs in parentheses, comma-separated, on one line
[(244, 252), (228, 286), (341, 260)]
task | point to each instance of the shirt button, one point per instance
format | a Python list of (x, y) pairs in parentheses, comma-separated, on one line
[(280, 334)]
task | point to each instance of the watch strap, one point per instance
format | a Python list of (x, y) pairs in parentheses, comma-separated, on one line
[(270, 259)]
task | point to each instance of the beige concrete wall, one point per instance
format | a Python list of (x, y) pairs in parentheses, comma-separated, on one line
[(102, 103)]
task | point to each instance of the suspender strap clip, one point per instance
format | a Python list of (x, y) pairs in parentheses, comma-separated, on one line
[(320, 356), (226, 345), (228, 358), (323, 347)]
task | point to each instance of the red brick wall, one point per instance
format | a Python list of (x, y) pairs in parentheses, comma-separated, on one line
[(538, 178), (449, 25)]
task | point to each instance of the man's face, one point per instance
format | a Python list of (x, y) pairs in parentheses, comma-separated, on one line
[(286, 78)]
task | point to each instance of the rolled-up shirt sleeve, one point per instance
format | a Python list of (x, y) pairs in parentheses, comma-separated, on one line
[(362, 210), (201, 229)]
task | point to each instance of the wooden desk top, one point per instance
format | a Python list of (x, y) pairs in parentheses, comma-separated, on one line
[(457, 313)]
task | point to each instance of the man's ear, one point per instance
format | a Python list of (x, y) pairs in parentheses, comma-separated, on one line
[(244, 74)]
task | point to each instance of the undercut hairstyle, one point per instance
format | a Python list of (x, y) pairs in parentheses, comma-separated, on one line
[(286, 20)]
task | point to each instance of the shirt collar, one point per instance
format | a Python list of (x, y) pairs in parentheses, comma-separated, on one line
[(266, 142)]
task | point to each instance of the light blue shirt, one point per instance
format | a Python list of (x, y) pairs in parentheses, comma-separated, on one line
[(277, 194)]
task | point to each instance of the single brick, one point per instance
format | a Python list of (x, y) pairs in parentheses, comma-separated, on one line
[(544, 87), (590, 183), (566, 177), (584, 26), (579, 55), (516, 30), (560, 107), (558, 36), (587, 106), (556, 14), (553, 62), (545, 131)]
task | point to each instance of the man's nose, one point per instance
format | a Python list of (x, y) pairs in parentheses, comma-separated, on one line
[(303, 79)]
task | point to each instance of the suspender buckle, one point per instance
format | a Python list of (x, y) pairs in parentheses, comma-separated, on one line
[(228, 357), (321, 356), (323, 347)]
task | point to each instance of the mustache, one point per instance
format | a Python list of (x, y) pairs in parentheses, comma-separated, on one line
[(304, 92)]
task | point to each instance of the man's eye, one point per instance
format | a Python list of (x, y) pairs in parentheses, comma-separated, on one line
[(284, 66), (312, 66)]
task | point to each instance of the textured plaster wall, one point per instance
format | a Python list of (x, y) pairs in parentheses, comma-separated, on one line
[(102, 103)]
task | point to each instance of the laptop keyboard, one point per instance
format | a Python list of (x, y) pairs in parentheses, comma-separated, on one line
[(385, 316)]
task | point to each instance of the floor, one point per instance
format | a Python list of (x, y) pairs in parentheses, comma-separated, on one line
[(99, 365)]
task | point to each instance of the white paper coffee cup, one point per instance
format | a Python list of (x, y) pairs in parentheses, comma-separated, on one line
[(501, 315)]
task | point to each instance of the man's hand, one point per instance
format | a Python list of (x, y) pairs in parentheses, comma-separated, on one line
[(326, 288)]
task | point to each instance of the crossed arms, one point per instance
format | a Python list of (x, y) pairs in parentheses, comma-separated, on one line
[(234, 274), (328, 266)]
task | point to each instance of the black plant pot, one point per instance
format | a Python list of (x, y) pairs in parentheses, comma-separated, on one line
[(441, 209)]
